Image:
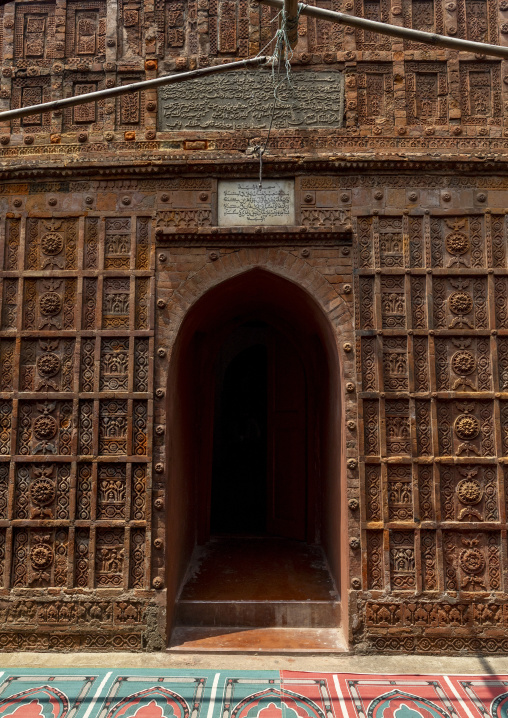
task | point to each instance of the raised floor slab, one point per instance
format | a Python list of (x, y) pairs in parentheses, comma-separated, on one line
[(257, 640)]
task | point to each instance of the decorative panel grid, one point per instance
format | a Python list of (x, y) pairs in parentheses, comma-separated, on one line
[(435, 426), (75, 403)]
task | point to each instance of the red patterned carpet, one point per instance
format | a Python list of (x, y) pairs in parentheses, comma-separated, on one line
[(152, 693)]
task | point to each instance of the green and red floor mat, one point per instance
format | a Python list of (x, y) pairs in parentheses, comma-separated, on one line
[(152, 693)]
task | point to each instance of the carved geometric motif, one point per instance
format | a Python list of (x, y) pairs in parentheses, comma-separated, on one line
[(375, 92), (109, 558), (395, 367), (12, 237), (400, 493), (373, 495), (86, 29), (466, 428), (375, 568), (45, 427), (426, 492), (49, 303), (469, 493), (115, 304), (402, 561), (371, 427), (9, 303), (369, 363), (460, 302), (7, 364), (480, 85), (429, 560), (426, 93), (463, 364), (39, 557), (111, 492), (5, 427), (51, 244), (46, 365), (472, 561), (137, 558)]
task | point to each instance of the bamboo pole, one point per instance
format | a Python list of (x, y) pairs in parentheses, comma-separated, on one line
[(426, 38), (125, 89)]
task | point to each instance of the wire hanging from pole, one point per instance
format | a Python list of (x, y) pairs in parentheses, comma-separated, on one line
[(282, 55)]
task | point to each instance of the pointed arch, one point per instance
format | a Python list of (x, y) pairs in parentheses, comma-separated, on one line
[(399, 704), (280, 262), (38, 702), (166, 704), (286, 289), (301, 706)]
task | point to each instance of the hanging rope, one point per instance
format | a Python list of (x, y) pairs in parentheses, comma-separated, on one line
[(280, 60)]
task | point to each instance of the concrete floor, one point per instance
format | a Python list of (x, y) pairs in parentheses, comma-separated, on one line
[(333, 664)]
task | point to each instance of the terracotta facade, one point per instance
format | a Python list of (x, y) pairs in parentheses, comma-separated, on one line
[(109, 236)]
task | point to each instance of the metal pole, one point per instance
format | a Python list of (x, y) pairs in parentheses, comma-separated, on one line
[(291, 16), (125, 89), (427, 38)]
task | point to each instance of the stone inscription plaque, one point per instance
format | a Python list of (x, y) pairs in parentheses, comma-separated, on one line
[(244, 100), (244, 202)]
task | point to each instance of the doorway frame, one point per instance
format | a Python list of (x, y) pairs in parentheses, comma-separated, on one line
[(334, 321)]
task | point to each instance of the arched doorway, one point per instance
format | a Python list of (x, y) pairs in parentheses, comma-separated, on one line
[(254, 433)]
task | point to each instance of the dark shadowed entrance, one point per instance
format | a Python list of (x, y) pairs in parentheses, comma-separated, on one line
[(259, 471), (255, 451)]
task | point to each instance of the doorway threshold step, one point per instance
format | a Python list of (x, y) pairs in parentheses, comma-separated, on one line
[(187, 639), (252, 614)]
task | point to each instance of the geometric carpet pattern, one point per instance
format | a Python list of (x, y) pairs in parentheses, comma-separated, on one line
[(149, 693)]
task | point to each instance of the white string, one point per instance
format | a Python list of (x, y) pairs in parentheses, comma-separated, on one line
[(282, 56)]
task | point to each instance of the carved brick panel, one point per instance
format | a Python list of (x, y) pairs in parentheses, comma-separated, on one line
[(72, 393)]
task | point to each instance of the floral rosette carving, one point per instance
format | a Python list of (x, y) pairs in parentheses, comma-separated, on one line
[(52, 243), (48, 364), (473, 563), (41, 558), (469, 492), (45, 428), (461, 302), (42, 491), (50, 305), (467, 427), (463, 363)]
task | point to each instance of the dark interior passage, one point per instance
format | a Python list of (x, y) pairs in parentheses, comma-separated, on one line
[(259, 464), (239, 486)]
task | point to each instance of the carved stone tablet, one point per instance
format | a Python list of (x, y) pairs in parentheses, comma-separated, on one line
[(244, 202), (244, 100)]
